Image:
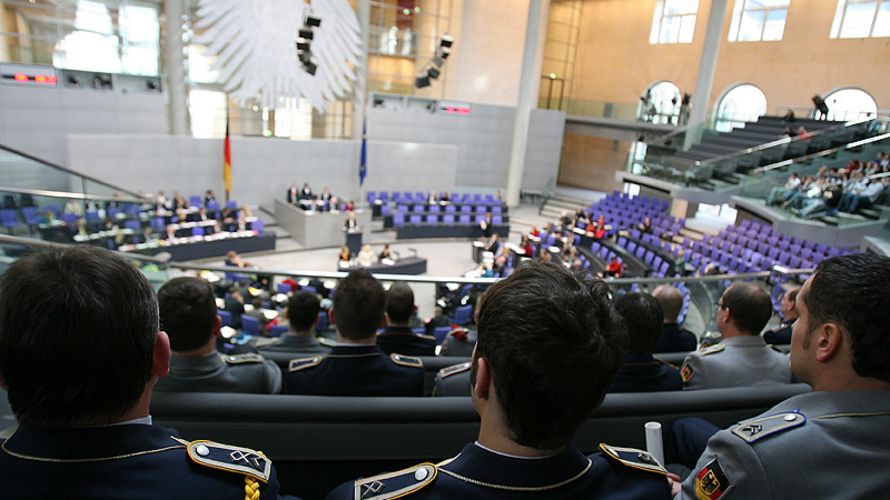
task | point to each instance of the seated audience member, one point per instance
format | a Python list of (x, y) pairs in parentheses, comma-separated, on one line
[(234, 305), (356, 366), (839, 347), (306, 192), (235, 260), (303, 309), (548, 348), (527, 248), (672, 338), (345, 255), (788, 310), (365, 256), (188, 315), (640, 372), (864, 199), (742, 358), (82, 398), (208, 197), (487, 225), (293, 194), (459, 342), (386, 253), (398, 336), (785, 192), (615, 267), (493, 245), (645, 227), (438, 319)]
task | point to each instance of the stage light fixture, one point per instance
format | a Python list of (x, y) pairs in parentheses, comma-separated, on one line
[(437, 61), (306, 34), (423, 80), (310, 67), (313, 21), (303, 46), (446, 41), (443, 52), (433, 73)]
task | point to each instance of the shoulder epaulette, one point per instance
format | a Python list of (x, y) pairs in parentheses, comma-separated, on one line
[(402, 360), (634, 458), (759, 428), (396, 484), (296, 365), (240, 359), (714, 349), (431, 338), (326, 342), (454, 369), (230, 458), (777, 349)]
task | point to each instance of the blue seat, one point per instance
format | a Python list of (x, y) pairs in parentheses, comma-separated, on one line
[(251, 325), (277, 331), (310, 289), (441, 332), (448, 219), (31, 216), (225, 317), (463, 314), (257, 226), (415, 220), (283, 288), (9, 219), (322, 324)]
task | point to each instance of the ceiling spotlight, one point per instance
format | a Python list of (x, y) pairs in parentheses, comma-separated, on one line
[(423, 80), (447, 40), (306, 34), (443, 52), (313, 21), (304, 46), (310, 67), (433, 73), (437, 61)]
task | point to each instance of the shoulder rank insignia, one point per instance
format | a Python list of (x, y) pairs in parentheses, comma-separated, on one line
[(454, 369), (240, 359), (686, 373), (326, 342), (296, 365), (634, 458), (777, 349), (406, 360), (230, 458), (759, 428), (396, 484), (711, 482), (714, 349)]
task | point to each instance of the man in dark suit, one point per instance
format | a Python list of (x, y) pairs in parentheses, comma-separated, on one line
[(641, 372), (303, 309), (188, 315), (398, 336), (356, 366), (82, 397), (672, 338), (548, 347), (788, 310)]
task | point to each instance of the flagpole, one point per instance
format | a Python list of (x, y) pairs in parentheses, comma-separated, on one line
[(227, 157)]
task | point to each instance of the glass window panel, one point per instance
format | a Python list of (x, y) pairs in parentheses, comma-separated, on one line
[(850, 104), (858, 19), (140, 60), (138, 24), (743, 103), (775, 25), (687, 29), (200, 67), (882, 23), (752, 26), (208, 112), (670, 30)]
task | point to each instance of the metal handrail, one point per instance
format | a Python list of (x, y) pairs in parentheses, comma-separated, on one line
[(72, 172), (783, 141), (820, 154), (70, 195)]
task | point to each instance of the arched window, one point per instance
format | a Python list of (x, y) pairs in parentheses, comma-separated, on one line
[(660, 103), (850, 104), (740, 104)]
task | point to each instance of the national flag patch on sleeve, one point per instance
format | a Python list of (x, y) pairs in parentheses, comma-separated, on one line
[(686, 372), (711, 482)]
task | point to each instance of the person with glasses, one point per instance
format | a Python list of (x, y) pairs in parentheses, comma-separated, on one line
[(743, 358)]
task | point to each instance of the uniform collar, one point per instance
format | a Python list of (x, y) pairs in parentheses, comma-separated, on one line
[(190, 365), (295, 340), (89, 444), (348, 350), (745, 341), (478, 465), (397, 330)]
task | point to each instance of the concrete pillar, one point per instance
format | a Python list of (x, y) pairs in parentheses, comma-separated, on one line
[(532, 59), (174, 10), (706, 69), (363, 11)]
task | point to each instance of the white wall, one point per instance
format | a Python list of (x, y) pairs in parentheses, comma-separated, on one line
[(487, 61), (482, 138), (37, 120), (262, 169)]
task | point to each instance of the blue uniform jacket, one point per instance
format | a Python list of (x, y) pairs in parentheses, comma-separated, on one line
[(403, 340), (480, 473), (132, 461), (356, 371), (645, 374), (675, 339)]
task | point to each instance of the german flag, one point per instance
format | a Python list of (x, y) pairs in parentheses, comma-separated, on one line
[(711, 482), (227, 160)]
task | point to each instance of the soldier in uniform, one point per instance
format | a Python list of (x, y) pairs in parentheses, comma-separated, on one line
[(548, 347), (356, 366), (80, 352), (303, 309), (398, 336), (832, 442), (742, 358), (672, 338), (188, 315), (782, 335), (641, 372)]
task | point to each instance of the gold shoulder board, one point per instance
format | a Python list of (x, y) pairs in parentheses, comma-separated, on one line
[(454, 369), (230, 458), (634, 458), (396, 484), (240, 359), (296, 365), (714, 349), (759, 428), (406, 360)]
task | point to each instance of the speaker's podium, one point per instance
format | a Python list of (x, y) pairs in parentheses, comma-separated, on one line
[(354, 240)]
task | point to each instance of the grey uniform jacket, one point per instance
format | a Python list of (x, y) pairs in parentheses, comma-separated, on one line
[(736, 362), (815, 445), (216, 372)]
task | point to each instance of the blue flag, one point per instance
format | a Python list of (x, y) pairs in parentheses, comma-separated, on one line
[(363, 162)]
